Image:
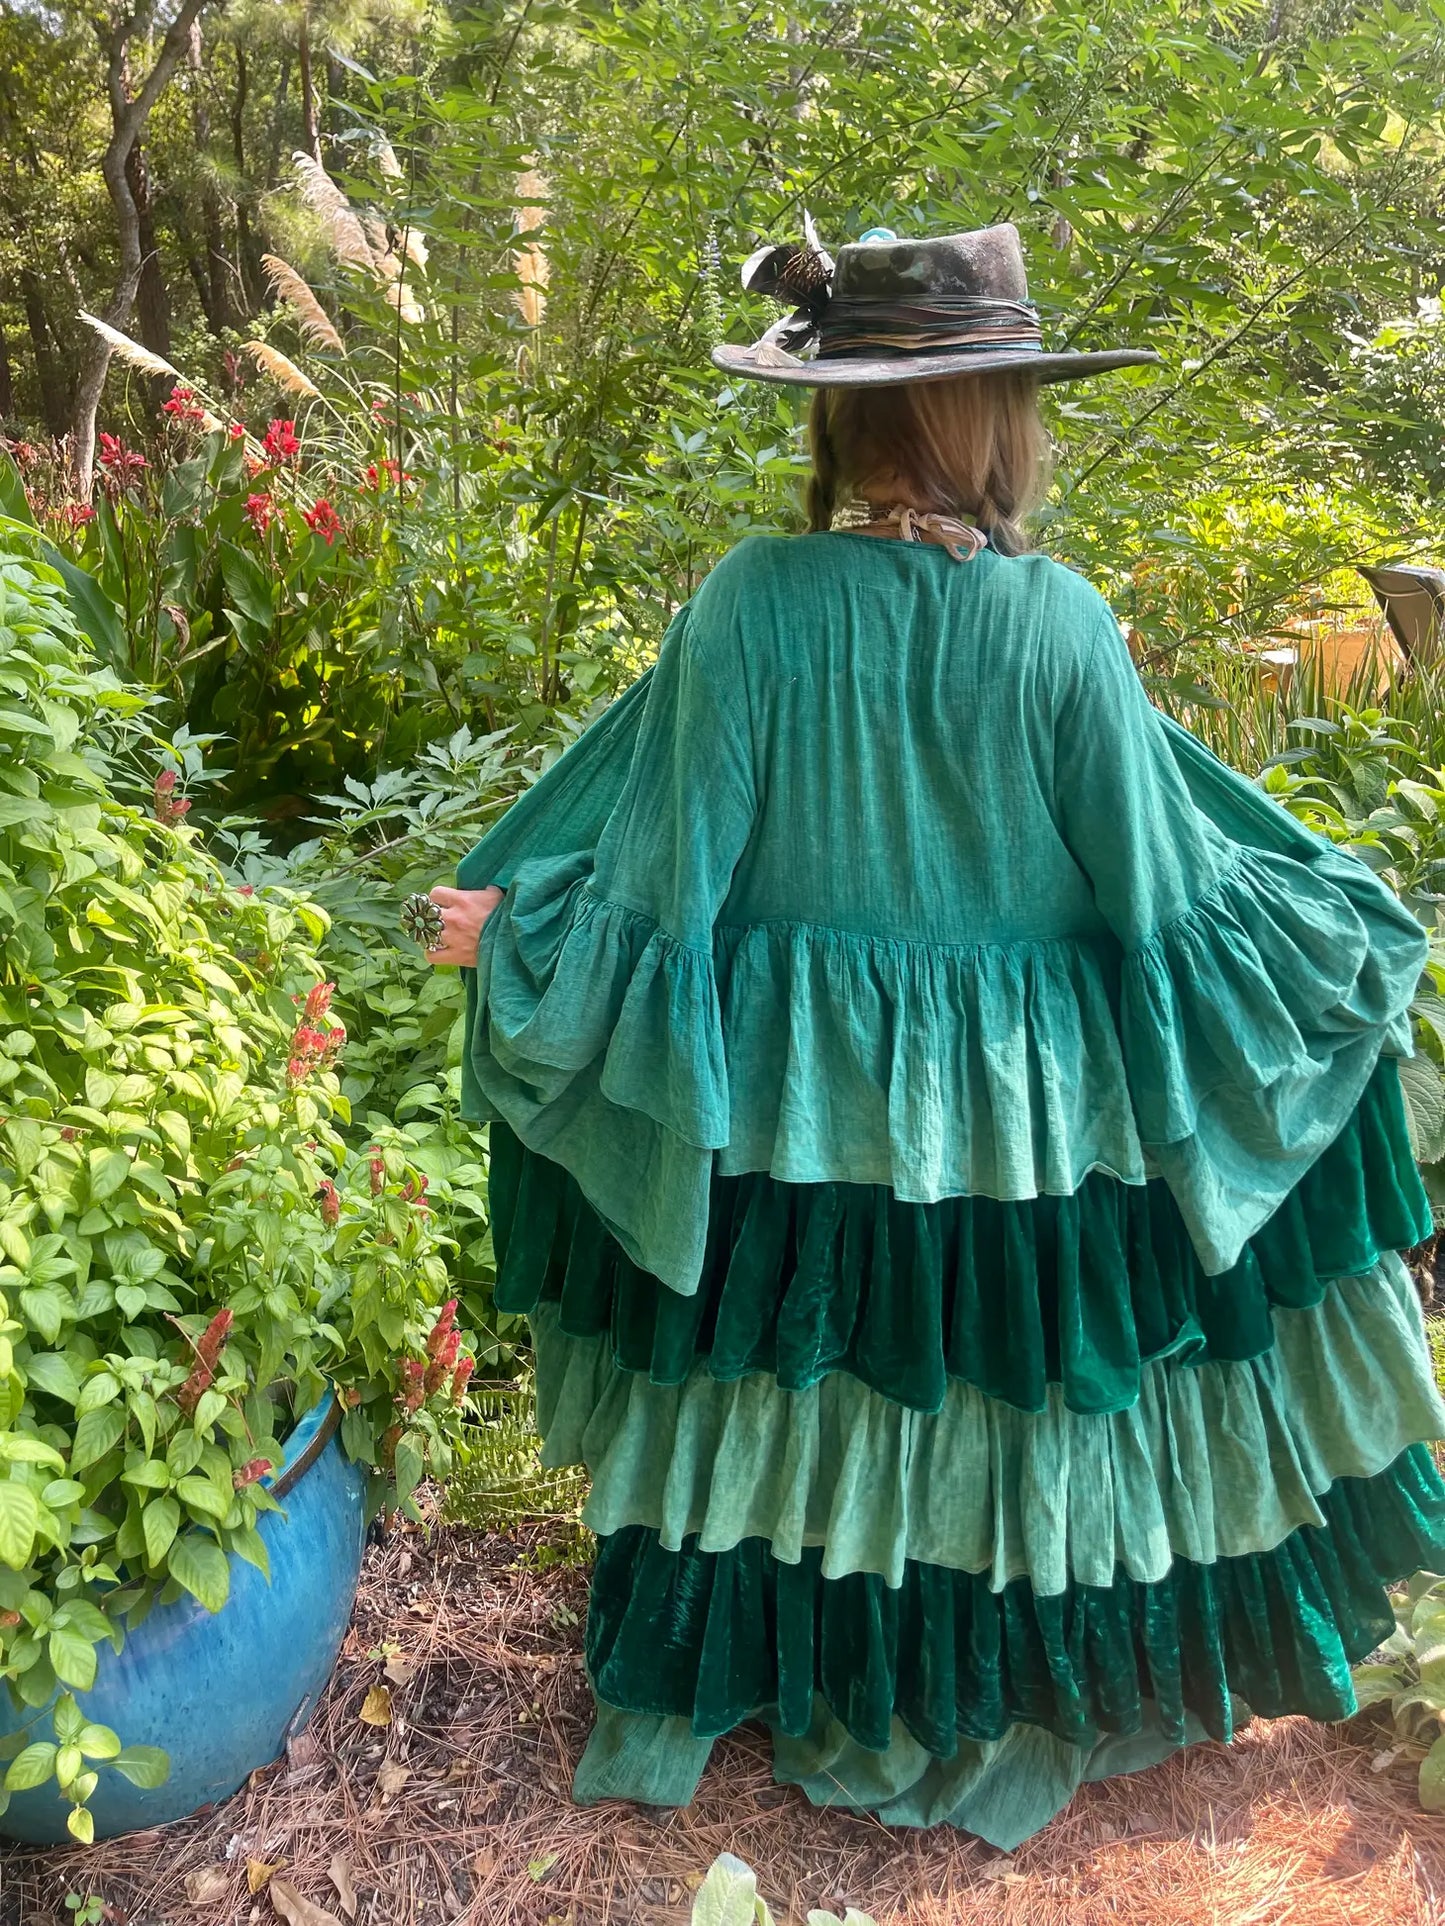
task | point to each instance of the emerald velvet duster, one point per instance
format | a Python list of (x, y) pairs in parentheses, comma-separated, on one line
[(945, 1132)]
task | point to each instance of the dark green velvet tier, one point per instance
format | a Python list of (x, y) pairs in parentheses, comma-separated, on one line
[(720, 1637), (1083, 1291)]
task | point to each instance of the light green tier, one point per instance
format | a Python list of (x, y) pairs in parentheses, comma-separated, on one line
[(1002, 1790), (1219, 1460)]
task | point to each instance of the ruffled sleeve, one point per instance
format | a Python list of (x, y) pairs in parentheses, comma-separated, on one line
[(598, 1034), (563, 812), (1264, 969)]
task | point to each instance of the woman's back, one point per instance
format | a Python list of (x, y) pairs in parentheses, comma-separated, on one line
[(901, 711)]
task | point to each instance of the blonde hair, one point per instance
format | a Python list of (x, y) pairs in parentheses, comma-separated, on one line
[(973, 446)]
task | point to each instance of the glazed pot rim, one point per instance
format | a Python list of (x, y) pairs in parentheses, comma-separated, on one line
[(307, 1439)]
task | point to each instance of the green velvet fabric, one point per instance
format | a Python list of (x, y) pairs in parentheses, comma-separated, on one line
[(717, 1638), (1081, 1291), (904, 883), (1218, 1461)]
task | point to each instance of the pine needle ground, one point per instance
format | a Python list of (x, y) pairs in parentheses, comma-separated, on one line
[(455, 1813)]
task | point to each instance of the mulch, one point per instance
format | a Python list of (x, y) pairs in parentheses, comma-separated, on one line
[(454, 1812)]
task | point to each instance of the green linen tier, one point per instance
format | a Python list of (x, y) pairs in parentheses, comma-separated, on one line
[(892, 876), (1217, 1460)]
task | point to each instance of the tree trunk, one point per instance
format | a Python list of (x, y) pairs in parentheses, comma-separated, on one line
[(42, 345), (216, 300), (283, 88), (310, 139), (7, 384), (248, 254), (128, 116), (152, 298)]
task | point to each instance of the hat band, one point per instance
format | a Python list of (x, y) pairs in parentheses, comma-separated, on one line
[(875, 329)]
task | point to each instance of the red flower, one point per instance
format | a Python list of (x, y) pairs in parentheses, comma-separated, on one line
[(280, 441), (329, 1198), (323, 520), (237, 431), (461, 1377), (25, 453), (413, 1385), (121, 464), (312, 1049), (413, 1191), (441, 1330), (443, 1359), (385, 473), (378, 1173), (250, 1473), (209, 1348), (183, 407), (261, 511), (167, 805), (318, 1001), (77, 514)]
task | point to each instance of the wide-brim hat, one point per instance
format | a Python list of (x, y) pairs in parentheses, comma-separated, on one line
[(891, 311)]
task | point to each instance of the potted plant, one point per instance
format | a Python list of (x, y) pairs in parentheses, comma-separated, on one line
[(198, 1281)]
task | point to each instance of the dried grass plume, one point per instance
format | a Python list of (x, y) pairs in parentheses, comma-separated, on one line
[(345, 235), (281, 369), (529, 262), (130, 351), (314, 322)]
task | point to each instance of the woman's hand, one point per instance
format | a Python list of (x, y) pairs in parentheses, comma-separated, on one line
[(464, 911)]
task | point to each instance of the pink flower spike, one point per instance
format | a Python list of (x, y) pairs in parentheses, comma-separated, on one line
[(318, 1001)]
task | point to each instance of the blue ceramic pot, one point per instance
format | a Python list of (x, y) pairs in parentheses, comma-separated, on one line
[(221, 1693)]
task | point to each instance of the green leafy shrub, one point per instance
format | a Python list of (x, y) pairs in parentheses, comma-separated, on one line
[(1407, 1674), (377, 843), (190, 1254)]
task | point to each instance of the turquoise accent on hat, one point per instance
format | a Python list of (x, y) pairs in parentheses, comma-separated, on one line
[(879, 234)]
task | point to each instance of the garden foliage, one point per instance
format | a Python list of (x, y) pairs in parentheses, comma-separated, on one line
[(190, 1254)]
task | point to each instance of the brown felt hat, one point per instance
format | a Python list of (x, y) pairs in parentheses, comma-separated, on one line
[(890, 311)]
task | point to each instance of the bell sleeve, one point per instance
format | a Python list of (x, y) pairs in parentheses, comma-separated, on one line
[(598, 1034), (565, 810), (1264, 970)]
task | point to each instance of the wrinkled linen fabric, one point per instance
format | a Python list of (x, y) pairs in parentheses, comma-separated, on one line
[(947, 1139), (1214, 1461), (906, 883)]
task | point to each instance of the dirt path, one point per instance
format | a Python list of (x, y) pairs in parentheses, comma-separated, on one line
[(455, 1812)]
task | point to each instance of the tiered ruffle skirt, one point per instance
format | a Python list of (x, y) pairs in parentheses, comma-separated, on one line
[(969, 1501)]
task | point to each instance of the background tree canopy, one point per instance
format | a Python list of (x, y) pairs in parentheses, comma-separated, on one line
[(543, 209)]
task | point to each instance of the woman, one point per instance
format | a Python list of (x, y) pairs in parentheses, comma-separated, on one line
[(946, 1134)]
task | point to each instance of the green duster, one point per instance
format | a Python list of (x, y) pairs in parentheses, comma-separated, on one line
[(946, 1134)]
